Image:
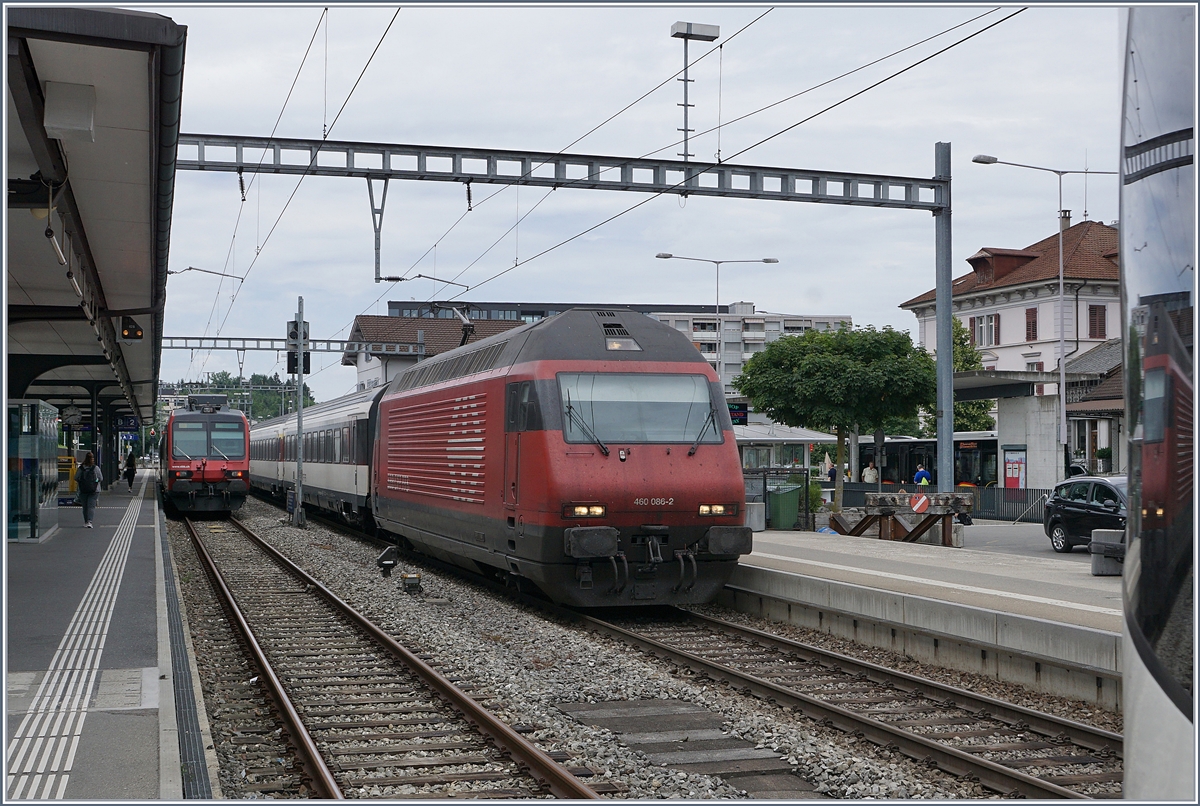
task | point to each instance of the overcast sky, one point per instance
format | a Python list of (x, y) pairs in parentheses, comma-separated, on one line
[(1041, 88)]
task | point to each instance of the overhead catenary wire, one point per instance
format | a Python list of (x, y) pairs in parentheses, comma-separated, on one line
[(720, 126), (577, 140), (604, 122), (701, 167), (311, 163), (253, 179)]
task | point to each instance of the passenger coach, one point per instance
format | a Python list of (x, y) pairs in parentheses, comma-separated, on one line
[(337, 445)]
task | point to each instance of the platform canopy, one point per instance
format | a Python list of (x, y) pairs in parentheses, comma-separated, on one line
[(93, 121)]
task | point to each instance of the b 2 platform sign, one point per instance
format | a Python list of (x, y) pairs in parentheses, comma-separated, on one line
[(128, 422), (739, 413)]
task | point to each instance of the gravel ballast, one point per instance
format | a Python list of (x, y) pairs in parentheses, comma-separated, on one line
[(522, 665)]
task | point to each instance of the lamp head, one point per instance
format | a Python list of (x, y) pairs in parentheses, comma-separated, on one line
[(770, 260), (664, 255), (984, 159)]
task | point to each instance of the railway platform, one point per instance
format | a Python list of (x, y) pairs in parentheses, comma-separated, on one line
[(1044, 622), (101, 690)]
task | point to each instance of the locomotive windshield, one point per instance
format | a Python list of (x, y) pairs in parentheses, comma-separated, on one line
[(637, 407), (211, 439)]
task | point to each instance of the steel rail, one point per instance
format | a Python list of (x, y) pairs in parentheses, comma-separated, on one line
[(319, 774), (988, 773), (1082, 735), (548, 773)]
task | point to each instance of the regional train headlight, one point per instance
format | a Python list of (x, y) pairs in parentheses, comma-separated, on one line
[(584, 511), (235, 474), (182, 474), (710, 510)]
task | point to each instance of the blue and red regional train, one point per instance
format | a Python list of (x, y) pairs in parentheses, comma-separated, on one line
[(204, 457), (590, 454)]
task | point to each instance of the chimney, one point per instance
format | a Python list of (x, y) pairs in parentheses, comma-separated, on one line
[(1064, 220)]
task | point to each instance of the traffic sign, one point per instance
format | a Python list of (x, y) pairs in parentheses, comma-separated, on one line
[(919, 503)]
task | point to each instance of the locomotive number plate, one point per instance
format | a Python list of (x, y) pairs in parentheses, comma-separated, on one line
[(653, 502)]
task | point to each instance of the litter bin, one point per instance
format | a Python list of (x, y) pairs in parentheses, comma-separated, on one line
[(1108, 552), (784, 506)]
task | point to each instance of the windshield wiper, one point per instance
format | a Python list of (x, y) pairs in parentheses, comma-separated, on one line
[(218, 450), (185, 456), (576, 418), (703, 430)]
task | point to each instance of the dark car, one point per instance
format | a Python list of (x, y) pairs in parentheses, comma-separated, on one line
[(1081, 504)]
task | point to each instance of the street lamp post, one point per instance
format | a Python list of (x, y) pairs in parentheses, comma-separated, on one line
[(985, 159), (717, 307)]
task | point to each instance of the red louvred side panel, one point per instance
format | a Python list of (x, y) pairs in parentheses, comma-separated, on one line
[(436, 448)]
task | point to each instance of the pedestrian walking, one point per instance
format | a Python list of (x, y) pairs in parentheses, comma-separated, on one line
[(130, 470), (832, 473), (88, 477), (870, 475), (922, 476)]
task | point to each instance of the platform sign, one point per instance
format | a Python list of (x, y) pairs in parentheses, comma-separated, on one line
[(128, 436), (128, 422), (739, 413), (291, 500)]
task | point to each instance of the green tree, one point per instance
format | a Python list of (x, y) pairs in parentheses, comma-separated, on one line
[(834, 380), (970, 415)]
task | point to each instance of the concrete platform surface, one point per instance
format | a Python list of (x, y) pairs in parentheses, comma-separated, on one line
[(90, 702), (1054, 588)]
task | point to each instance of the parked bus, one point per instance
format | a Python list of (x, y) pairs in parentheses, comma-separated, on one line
[(975, 458)]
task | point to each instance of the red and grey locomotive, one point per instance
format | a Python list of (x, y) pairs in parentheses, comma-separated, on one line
[(590, 454), (204, 458)]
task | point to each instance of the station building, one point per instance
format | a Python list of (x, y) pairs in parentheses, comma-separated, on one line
[(1009, 301), (1010, 304)]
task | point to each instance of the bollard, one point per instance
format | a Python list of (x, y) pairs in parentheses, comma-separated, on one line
[(1108, 552)]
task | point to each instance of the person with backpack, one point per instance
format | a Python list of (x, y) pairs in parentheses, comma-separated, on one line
[(88, 477), (922, 477), (130, 470)]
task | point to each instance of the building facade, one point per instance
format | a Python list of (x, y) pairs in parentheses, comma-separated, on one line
[(727, 335), (1010, 303)]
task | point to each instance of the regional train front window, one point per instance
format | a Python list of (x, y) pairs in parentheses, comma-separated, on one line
[(189, 441), (228, 440), (213, 440), (637, 407)]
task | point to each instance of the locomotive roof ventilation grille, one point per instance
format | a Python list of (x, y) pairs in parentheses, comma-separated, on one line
[(616, 337), (436, 371)]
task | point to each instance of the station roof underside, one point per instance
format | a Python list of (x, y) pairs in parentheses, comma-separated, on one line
[(111, 189), (989, 384)]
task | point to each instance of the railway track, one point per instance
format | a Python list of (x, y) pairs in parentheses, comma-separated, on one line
[(1009, 749), (361, 712)]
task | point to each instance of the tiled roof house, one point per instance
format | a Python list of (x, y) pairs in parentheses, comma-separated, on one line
[(438, 336), (1009, 300)]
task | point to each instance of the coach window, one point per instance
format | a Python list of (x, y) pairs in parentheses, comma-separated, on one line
[(345, 444)]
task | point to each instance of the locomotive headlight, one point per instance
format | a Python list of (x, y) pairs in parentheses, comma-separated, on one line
[(584, 511), (234, 474), (182, 474), (709, 510)]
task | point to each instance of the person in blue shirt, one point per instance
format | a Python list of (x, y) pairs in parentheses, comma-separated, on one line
[(922, 476)]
